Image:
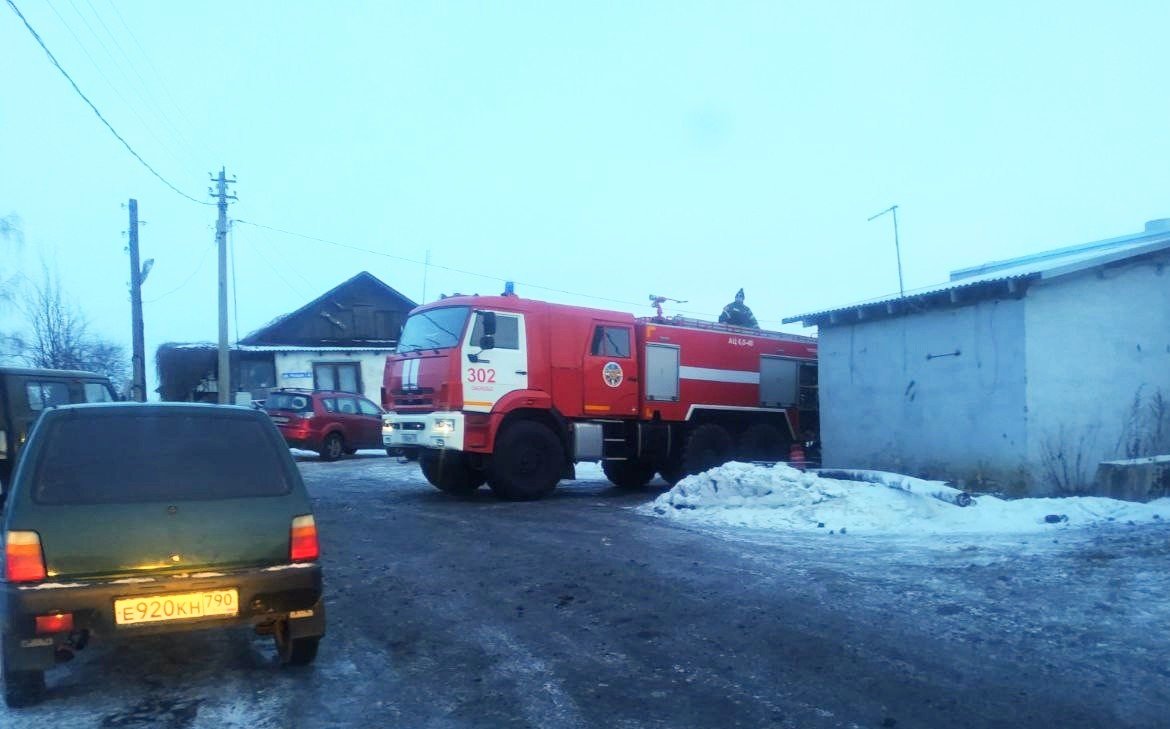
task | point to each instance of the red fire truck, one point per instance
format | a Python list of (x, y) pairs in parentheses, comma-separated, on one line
[(513, 392)]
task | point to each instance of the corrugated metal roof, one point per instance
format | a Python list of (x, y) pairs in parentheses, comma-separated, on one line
[(1001, 278)]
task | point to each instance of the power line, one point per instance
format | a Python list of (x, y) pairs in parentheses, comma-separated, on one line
[(267, 260), (145, 95), (162, 82), (97, 67), (452, 269), (235, 283), (194, 271), (36, 36), (271, 244)]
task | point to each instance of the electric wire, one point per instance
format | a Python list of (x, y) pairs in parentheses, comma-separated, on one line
[(142, 91), (265, 258), (190, 276), (36, 36), (235, 300), (273, 245), (101, 73), (162, 82), (452, 269)]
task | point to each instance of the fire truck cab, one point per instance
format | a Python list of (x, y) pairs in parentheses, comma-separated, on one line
[(512, 392)]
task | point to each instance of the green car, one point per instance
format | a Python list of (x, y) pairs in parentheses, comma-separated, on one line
[(128, 519)]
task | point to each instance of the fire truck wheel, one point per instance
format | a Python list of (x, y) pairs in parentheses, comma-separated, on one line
[(448, 472), (709, 446), (527, 463), (672, 472), (632, 474), (762, 442)]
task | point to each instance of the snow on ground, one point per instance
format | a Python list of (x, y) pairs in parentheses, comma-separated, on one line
[(782, 498)]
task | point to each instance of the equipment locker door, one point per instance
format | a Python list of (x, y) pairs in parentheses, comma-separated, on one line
[(610, 371), (662, 372)]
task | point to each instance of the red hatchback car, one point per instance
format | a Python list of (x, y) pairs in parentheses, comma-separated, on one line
[(331, 423)]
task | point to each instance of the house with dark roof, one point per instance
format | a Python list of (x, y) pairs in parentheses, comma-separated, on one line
[(338, 341), (1018, 376)]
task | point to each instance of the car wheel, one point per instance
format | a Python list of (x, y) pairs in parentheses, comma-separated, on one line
[(527, 463), (295, 651), (23, 688), (448, 472), (332, 447), (709, 446), (350, 451), (631, 474)]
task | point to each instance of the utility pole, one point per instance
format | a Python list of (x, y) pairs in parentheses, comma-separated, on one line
[(138, 359), (897, 246), (223, 375)]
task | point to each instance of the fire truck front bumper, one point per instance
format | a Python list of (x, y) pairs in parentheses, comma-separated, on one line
[(425, 430)]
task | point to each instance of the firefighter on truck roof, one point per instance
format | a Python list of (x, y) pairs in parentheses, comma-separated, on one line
[(738, 314)]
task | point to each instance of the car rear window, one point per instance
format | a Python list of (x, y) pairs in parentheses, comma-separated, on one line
[(289, 401), (134, 457)]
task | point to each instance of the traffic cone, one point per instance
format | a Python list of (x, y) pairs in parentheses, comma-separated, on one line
[(796, 456)]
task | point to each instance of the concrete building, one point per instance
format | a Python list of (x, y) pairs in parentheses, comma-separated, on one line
[(1016, 376)]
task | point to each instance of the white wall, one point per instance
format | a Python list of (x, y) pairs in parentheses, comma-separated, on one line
[(885, 405), (1097, 342), (372, 366)]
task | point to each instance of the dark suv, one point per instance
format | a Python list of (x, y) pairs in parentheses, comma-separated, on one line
[(331, 423), (131, 519), (24, 393)]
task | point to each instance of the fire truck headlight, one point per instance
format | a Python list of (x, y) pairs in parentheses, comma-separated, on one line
[(444, 426)]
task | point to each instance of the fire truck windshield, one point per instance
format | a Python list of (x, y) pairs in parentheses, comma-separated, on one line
[(434, 329)]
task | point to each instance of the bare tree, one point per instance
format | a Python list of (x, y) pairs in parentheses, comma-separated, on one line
[(59, 336), (11, 240)]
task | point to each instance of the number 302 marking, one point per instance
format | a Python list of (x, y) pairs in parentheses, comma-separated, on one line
[(480, 374)]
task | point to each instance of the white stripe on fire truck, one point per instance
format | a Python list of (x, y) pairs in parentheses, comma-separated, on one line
[(710, 374), (410, 374)]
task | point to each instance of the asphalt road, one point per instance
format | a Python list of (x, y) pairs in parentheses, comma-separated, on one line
[(579, 611)]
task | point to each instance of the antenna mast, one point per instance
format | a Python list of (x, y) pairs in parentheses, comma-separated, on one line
[(897, 247)]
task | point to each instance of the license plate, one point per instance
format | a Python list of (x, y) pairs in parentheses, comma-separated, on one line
[(409, 438), (183, 606), (279, 419)]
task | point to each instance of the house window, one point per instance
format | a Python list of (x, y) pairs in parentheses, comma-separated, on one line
[(338, 376), (387, 324), (611, 342)]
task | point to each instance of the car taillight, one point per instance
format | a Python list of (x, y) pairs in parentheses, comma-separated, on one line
[(303, 542), (55, 623), (23, 560)]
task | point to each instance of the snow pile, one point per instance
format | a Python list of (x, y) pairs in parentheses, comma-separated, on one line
[(782, 498)]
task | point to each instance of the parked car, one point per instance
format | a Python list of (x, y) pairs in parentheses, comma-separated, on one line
[(331, 423), (128, 519), (25, 393)]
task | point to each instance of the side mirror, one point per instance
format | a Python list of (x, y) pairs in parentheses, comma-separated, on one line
[(488, 320)]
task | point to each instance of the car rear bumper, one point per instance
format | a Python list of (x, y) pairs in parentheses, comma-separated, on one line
[(300, 439), (265, 595)]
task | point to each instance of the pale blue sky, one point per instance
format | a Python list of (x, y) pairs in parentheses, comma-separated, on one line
[(610, 149)]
